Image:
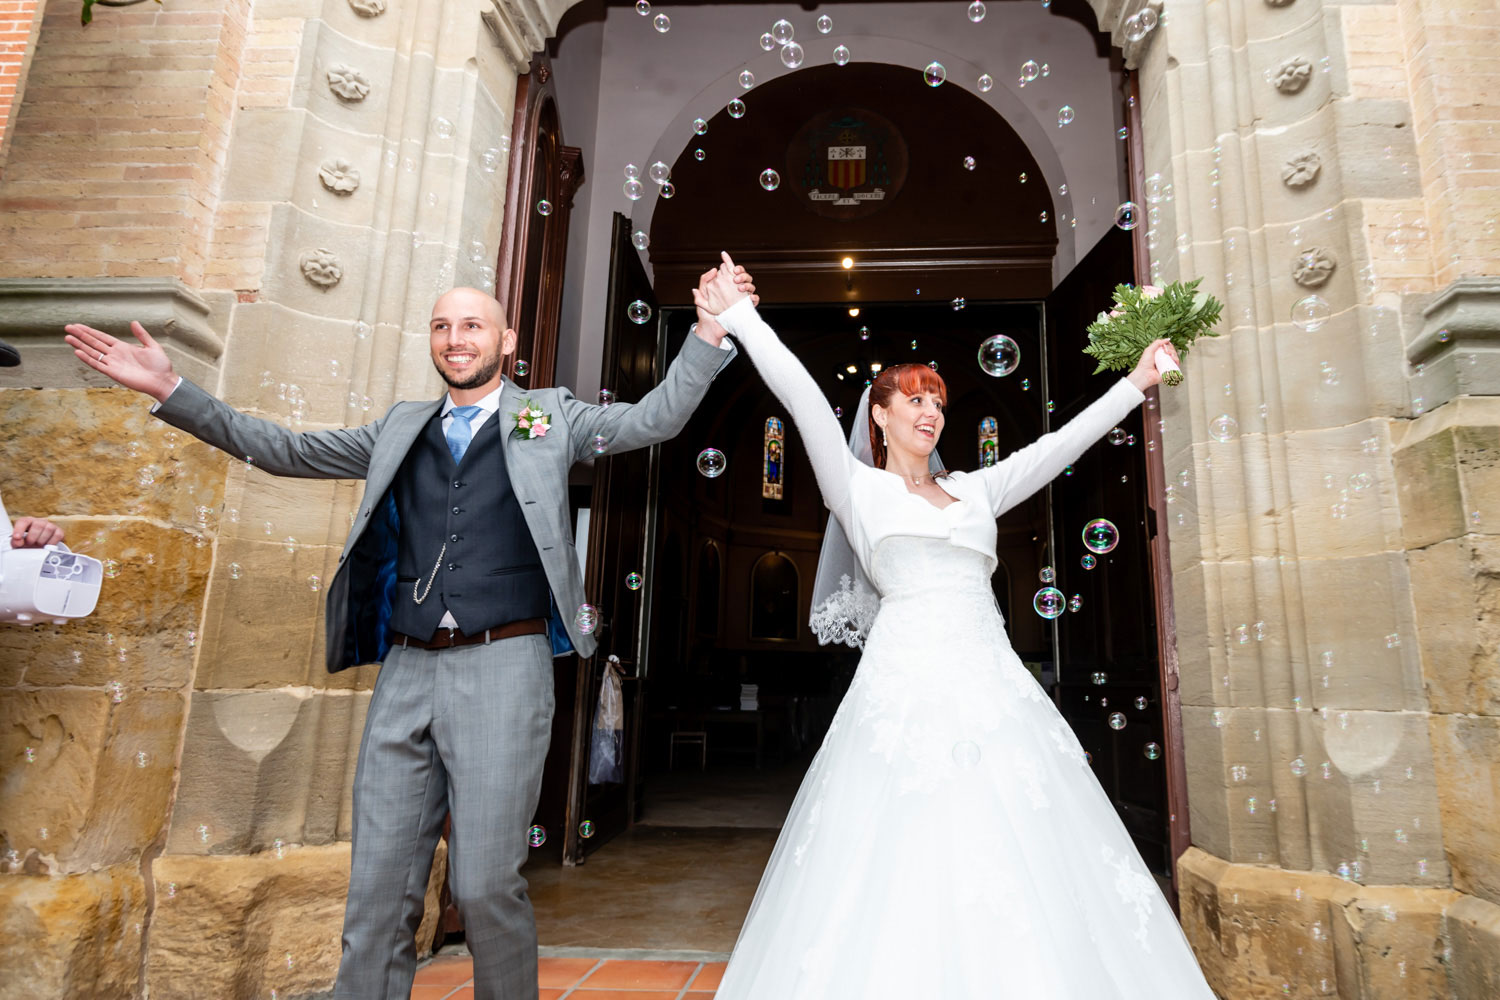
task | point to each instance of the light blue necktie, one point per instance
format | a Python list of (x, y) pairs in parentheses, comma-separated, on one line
[(459, 433)]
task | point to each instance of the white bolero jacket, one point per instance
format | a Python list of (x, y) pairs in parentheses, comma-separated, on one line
[(871, 504)]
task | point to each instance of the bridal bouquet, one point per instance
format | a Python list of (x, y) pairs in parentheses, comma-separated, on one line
[(1142, 314)]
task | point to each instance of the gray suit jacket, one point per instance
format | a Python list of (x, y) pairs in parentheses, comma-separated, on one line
[(538, 469)]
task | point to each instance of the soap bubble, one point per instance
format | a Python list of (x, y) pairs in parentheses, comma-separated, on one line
[(999, 356), (841, 55), (544, 207), (1117, 720), (966, 753), (586, 618), (606, 397), (111, 568), (935, 74), (711, 463), (1223, 428), (1030, 70), (639, 239), (634, 580), (1049, 602), (864, 333), (235, 571), (1299, 766), (700, 126), (600, 444), (148, 475), (1127, 216), (634, 189), (662, 23), (986, 83), (1148, 17), (586, 829), (1022, 178), (442, 127), (1099, 677), (1048, 574), (667, 190), (976, 11), (747, 79), (792, 55), (632, 171), (770, 179), (1043, 217), (1075, 603), (736, 108), (659, 172), (314, 583), (643, 7), (767, 42), (1064, 115), (522, 368), (1088, 562), (1141, 702), (1152, 751), (969, 163), (1117, 436), (1310, 313), (290, 544), (958, 303), (638, 312), (537, 835), (825, 24), (782, 31), (1100, 536)]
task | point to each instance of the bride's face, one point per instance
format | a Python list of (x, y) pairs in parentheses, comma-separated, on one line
[(912, 423)]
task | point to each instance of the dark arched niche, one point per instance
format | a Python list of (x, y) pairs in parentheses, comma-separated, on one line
[(947, 231)]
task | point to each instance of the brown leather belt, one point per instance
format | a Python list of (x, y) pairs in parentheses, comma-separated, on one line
[(448, 638)]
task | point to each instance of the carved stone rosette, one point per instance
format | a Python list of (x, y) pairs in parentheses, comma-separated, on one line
[(1301, 170), (348, 84), (339, 176), (1313, 267), (374, 8), (321, 268), (1291, 76)]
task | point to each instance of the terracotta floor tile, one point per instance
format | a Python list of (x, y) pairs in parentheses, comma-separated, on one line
[(641, 975), (583, 994), (697, 996), (430, 992), (710, 977), (563, 971), (446, 972), (467, 993), (547, 994)]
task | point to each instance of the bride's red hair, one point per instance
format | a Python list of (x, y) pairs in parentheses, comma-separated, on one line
[(904, 380)]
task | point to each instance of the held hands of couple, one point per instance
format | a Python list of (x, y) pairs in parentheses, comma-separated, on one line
[(143, 366), (721, 288), (1145, 374)]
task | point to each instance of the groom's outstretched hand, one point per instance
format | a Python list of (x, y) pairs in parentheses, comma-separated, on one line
[(708, 326), (723, 290)]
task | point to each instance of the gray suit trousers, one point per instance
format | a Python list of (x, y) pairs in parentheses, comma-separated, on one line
[(462, 732)]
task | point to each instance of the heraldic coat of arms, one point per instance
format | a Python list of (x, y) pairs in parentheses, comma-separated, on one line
[(852, 161)]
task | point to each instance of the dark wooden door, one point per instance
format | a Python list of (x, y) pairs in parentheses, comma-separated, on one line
[(1110, 684), (619, 545)]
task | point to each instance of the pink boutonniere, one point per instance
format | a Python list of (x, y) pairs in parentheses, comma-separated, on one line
[(531, 422)]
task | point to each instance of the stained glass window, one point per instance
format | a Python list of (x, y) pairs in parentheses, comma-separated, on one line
[(773, 468), (989, 442)]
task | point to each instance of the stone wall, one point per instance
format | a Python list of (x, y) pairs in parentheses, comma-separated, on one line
[(279, 192), (19, 22), (1329, 168)]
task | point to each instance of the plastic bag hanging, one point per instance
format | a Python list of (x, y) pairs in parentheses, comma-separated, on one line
[(606, 755)]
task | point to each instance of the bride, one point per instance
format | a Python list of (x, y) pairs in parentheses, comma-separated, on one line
[(949, 841)]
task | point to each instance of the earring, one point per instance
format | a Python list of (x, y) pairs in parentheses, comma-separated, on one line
[(883, 439)]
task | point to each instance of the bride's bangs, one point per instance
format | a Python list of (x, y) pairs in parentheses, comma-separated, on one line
[(912, 379)]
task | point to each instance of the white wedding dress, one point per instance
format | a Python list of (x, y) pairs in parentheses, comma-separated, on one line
[(949, 841)]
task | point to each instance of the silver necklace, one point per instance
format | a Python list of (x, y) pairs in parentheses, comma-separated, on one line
[(428, 589)]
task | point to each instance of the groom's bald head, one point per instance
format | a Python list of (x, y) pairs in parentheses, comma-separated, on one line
[(469, 339)]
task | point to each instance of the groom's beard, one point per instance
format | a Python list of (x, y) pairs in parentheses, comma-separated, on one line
[(479, 377)]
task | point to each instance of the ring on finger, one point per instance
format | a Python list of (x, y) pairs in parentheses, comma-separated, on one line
[(101, 355)]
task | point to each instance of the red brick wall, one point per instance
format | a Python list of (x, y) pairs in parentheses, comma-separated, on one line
[(18, 26), (118, 149)]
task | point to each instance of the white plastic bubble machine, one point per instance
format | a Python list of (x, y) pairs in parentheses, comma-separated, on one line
[(38, 585)]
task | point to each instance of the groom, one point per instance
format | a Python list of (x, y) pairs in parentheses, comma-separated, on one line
[(459, 556)]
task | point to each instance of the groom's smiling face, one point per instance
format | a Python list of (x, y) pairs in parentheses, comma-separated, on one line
[(469, 339)]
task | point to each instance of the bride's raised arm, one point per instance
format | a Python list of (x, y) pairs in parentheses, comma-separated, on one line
[(1028, 469), (832, 461)]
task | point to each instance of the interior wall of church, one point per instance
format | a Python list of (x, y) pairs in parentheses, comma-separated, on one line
[(650, 87)]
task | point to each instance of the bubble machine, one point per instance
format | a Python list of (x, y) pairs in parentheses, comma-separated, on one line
[(51, 583)]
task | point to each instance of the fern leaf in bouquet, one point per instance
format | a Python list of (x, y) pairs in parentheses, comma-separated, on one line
[(1178, 312)]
